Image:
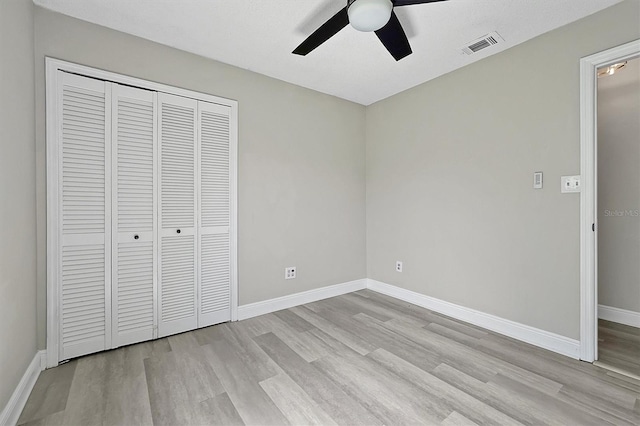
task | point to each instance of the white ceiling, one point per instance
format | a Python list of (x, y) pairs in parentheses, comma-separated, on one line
[(259, 35)]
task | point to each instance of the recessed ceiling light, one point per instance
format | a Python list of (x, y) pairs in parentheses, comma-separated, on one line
[(611, 69)]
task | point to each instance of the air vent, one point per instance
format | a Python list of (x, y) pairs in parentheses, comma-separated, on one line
[(482, 43)]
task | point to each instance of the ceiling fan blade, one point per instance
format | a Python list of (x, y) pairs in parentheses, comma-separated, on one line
[(397, 3), (324, 33), (394, 39)]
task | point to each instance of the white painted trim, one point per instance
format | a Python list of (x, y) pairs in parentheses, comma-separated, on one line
[(11, 412), (588, 195), (53, 230), (52, 130), (272, 305), (544, 339), (57, 64), (621, 316)]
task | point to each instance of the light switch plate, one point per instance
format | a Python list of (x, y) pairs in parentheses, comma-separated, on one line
[(537, 180), (570, 184)]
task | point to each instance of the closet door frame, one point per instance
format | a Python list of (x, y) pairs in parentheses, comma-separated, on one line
[(53, 140)]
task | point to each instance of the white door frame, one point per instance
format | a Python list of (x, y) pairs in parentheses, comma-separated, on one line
[(589, 194), (52, 137)]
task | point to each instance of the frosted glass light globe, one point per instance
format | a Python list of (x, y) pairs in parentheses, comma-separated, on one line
[(369, 15)]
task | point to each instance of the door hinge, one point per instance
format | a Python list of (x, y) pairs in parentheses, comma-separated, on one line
[(593, 227)]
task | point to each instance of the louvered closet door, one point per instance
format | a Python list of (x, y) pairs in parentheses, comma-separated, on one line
[(134, 214), (84, 280), (177, 290), (214, 215)]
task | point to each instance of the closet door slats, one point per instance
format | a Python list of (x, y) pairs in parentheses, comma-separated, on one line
[(84, 299), (177, 305), (214, 208), (134, 214)]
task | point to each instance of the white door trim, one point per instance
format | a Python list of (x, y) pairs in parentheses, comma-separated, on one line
[(51, 81), (588, 197)]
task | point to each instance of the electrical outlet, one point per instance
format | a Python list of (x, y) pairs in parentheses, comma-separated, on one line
[(290, 273), (398, 266), (570, 184)]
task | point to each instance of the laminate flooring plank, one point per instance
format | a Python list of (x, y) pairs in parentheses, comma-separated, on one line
[(380, 337), (50, 393), (349, 339), (440, 349), (327, 344), (594, 403), (219, 410), (457, 419), (253, 405), (568, 372), (347, 307), (239, 339), (294, 321), (55, 419), (442, 391), (108, 388), (621, 380), (501, 399), (619, 346), (342, 408), (169, 392), (386, 395), (293, 401), (153, 347), (300, 341), (558, 411), (451, 334), (127, 392), (382, 311), (183, 342), (424, 315)]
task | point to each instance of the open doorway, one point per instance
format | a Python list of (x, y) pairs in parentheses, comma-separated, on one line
[(589, 209), (618, 212)]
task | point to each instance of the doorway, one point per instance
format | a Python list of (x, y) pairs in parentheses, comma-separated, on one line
[(618, 210), (590, 210)]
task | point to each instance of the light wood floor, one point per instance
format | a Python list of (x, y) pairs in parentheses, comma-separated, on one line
[(619, 346), (361, 358)]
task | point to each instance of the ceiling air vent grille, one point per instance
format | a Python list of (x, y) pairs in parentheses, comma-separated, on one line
[(482, 43)]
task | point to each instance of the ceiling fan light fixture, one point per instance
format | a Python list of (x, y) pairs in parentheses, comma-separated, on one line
[(369, 15)]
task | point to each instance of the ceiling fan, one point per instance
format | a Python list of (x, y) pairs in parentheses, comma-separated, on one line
[(366, 16)]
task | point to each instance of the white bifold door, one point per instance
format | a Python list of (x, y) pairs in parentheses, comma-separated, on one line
[(142, 196), (134, 218), (83, 191), (194, 181)]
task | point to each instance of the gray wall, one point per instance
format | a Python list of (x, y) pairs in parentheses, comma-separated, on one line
[(449, 178), (17, 195), (301, 159), (619, 188)]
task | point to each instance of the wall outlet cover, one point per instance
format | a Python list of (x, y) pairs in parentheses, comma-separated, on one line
[(570, 184), (398, 266), (289, 273)]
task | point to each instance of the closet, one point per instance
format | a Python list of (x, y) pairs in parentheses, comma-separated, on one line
[(140, 213)]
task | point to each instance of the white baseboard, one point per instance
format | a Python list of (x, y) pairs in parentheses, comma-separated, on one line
[(272, 305), (621, 316), (13, 409), (544, 339)]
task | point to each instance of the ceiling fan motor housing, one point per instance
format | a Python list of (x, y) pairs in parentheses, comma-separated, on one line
[(369, 15)]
